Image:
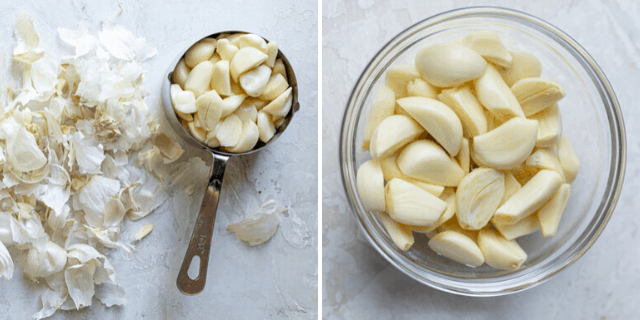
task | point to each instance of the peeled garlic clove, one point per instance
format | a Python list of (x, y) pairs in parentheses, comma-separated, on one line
[(231, 103), (453, 225), (383, 106), (255, 80), (266, 129), (390, 171), (248, 137), (507, 145), (568, 159), (201, 51), (549, 215), (463, 156), (209, 107), (496, 96), (215, 58), (230, 131), (398, 76), (478, 197), (420, 88), (437, 118), (523, 65), (425, 160), (276, 86), (537, 94), (449, 64), (400, 234), (467, 107), (499, 252), (531, 197), (253, 41), (272, 53), (278, 68), (226, 50), (144, 231), (391, 134), (281, 105), (457, 247), (183, 101), (549, 127), (523, 227), (247, 112), (489, 46), (370, 184), (180, 73), (244, 60), (409, 204), (199, 78), (211, 140), (452, 207), (220, 80), (511, 186), (544, 159), (198, 133)]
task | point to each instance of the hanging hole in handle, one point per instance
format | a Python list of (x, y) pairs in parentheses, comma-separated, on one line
[(194, 268)]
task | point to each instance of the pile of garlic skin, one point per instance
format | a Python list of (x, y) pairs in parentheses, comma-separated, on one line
[(231, 91), (469, 142), (67, 142)]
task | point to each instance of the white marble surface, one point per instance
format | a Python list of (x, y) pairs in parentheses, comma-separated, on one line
[(359, 283), (273, 281)]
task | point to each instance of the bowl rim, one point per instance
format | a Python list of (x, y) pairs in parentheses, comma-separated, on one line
[(616, 125)]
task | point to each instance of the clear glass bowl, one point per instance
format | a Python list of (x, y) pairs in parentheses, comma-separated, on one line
[(591, 120)]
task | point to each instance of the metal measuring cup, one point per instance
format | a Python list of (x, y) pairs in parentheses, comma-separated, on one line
[(200, 242)]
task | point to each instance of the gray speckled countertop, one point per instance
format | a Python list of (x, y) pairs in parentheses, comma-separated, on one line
[(273, 281), (359, 283)]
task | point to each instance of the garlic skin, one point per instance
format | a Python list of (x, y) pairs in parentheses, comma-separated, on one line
[(6, 263), (260, 226), (42, 263)]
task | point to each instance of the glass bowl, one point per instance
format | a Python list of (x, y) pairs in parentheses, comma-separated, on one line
[(591, 120)]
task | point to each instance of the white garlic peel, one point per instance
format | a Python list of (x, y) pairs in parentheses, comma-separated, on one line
[(260, 226), (241, 69), (486, 147)]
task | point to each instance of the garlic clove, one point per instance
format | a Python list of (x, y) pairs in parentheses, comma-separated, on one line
[(549, 127), (254, 81), (183, 101), (523, 227), (420, 88), (198, 133), (397, 78), (549, 215), (226, 50), (231, 103), (457, 247), (230, 131), (199, 78), (244, 60), (467, 107), (278, 68), (266, 129), (537, 94), (494, 94), (531, 197), (209, 107), (391, 134), (499, 252), (272, 53), (400, 234), (568, 159), (144, 231), (382, 107), (201, 51), (449, 64), (511, 186), (437, 118), (463, 157), (248, 137), (409, 204), (180, 73), (220, 80), (281, 105), (507, 145), (425, 160), (523, 65), (276, 86), (489, 46), (390, 170), (478, 196), (544, 159), (251, 40), (370, 183)]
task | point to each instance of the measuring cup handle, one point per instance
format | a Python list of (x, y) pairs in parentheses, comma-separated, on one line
[(200, 242)]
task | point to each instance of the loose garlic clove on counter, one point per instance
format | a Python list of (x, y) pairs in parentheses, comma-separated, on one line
[(398, 77), (523, 65), (230, 131), (531, 197), (437, 118), (489, 46), (499, 252), (425, 160), (391, 134), (494, 94), (201, 51), (254, 81), (370, 183), (549, 215), (478, 196), (409, 204), (266, 129), (183, 101), (244, 60), (493, 150), (457, 247), (400, 234), (568, 159), (220, 79), (209, 107), (467, 107), (248, 137), (549, 127), (449, 64), (199, 78), (180, 73), (537, 94)]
